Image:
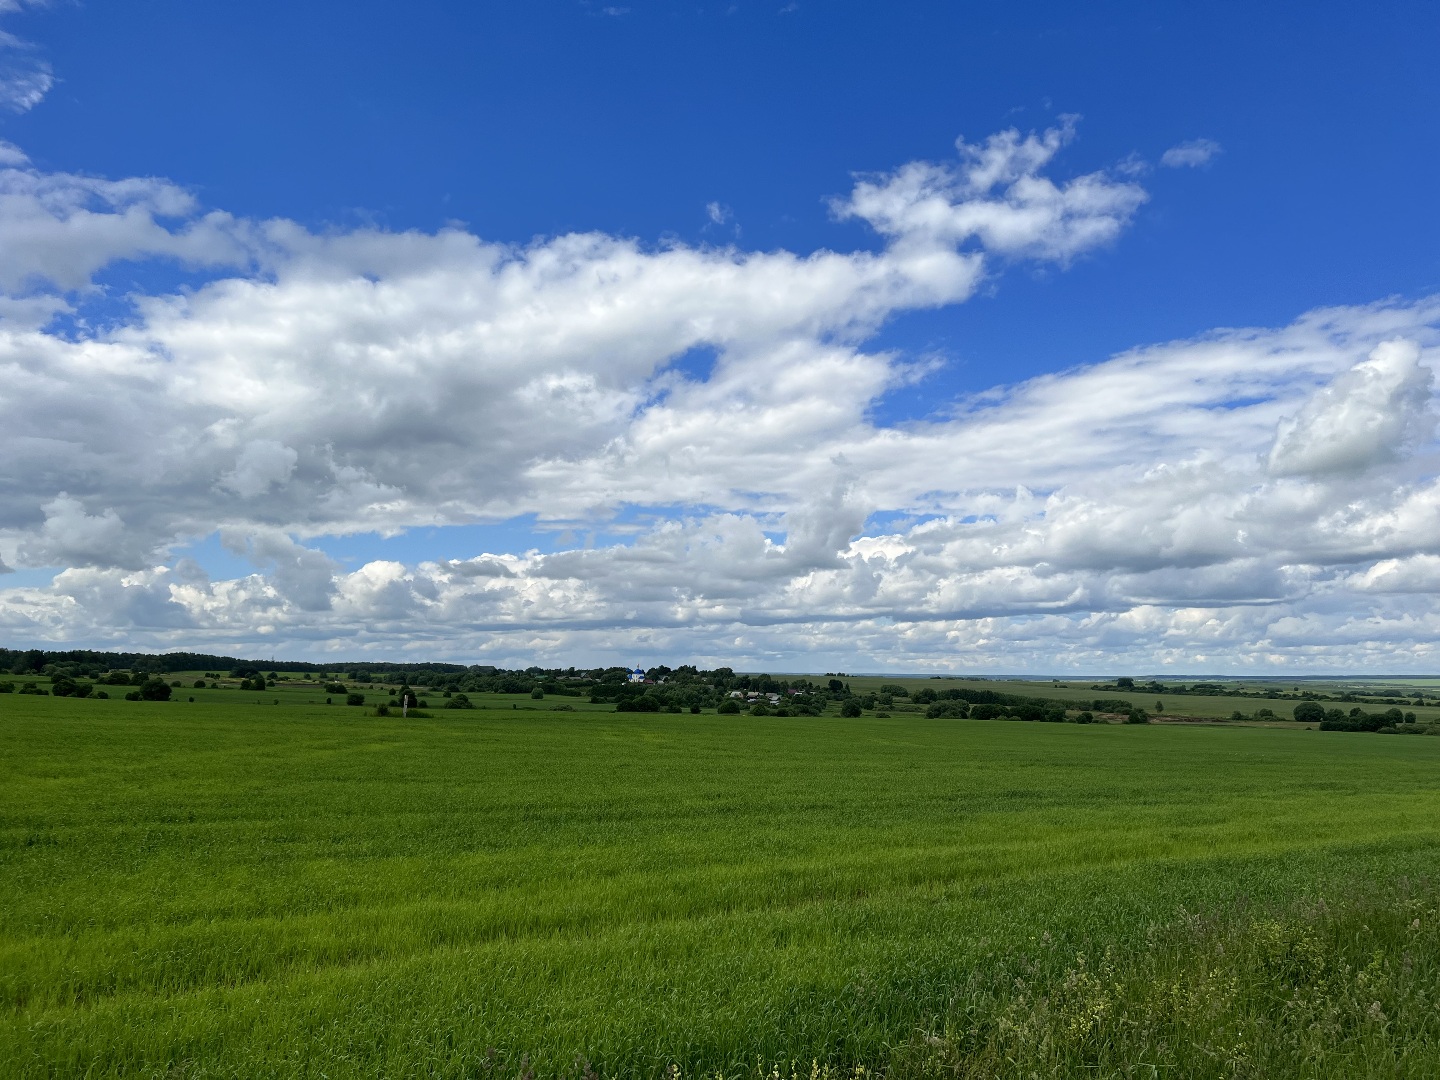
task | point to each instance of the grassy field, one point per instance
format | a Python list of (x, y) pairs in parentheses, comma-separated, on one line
[(230, 887)]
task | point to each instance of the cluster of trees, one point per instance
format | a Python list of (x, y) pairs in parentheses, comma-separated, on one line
[(1037, 710), (7, 687), (152, 689), (1390, 721), (62, 684)]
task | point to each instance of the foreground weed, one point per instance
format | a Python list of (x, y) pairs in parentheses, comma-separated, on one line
[(1326, 990)]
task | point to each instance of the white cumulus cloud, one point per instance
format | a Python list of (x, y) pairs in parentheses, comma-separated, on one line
[(1249, 498), (1366, 416)]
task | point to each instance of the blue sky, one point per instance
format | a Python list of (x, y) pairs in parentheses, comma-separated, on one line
[(544, 118), (1253, 165)]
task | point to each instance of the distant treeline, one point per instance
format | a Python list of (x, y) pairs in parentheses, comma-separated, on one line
[(684, 688), (24, 661)]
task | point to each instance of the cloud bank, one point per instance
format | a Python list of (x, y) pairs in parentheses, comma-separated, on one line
[(1252, 499)]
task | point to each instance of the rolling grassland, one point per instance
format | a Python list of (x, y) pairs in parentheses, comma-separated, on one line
[(228, 887)]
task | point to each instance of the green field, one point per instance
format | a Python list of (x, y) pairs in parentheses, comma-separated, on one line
[(230, 887)]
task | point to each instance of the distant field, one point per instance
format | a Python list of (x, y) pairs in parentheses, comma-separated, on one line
[(1175, 705), (232, 887)]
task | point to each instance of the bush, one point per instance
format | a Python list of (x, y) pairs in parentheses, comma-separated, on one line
[(1086, 717), (985, 712), (199, 684), (354, 699), (156, 689), (948, 710), (336, 688), (894, 690), (133, 695), (728, 707), (759, 709), (851, 708), (102, 694), (382, 710), (459, 701), (1137, 716), (1110, 705), (7, 687), (1309, 712), (694, 710), (537, 694), (639, 704)]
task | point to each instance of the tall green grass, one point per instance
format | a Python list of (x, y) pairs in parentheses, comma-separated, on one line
[(226, 889)]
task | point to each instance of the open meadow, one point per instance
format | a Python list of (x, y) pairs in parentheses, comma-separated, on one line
[(234, 887)]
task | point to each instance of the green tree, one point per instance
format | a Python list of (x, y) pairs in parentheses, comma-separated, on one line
[(1309, 712), (155, 690)]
